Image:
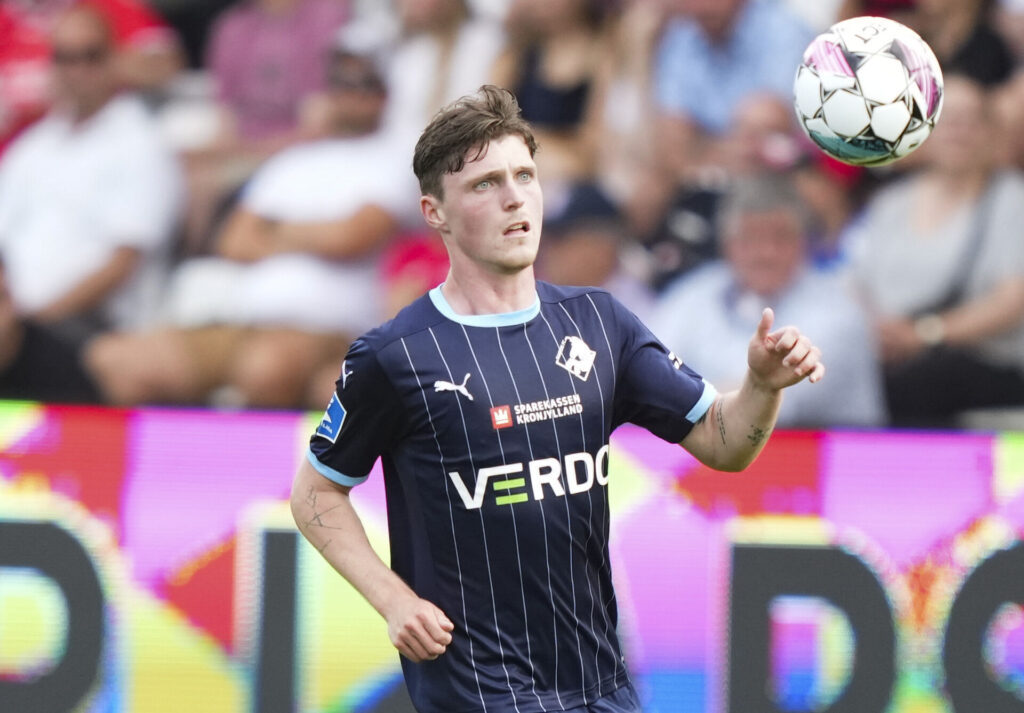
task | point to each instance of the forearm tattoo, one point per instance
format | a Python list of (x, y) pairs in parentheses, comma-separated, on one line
[(720, 417), (316, 520), (757, 435)]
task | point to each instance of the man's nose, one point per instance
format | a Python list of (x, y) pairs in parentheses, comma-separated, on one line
[(512, 195)]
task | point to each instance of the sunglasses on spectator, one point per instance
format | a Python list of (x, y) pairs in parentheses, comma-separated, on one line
[(355, 82), (89, 55)]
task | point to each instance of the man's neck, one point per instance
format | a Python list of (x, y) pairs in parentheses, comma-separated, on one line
[(79, 114), (473, 295)]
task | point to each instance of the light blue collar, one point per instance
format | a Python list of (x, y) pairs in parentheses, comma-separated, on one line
[(504, 319)]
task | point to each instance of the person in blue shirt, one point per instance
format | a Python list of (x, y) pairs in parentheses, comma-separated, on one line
[(490, 401), (712, 56)]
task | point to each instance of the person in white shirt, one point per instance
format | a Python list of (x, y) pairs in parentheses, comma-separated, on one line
[(444, 50), (709, 311), (296, 271), (89, 196)]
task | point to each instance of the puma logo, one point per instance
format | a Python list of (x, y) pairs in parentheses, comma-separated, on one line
[(449, 386)]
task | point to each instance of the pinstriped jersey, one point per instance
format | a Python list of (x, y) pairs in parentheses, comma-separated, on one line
[(493, 434)]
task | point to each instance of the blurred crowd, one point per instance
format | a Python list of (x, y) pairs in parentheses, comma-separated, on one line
[(202, 202)]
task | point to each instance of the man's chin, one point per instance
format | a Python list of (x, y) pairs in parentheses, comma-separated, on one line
[(518, 263), (510, 268)]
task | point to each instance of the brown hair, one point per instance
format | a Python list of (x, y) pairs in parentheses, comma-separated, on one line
[(461, 131)]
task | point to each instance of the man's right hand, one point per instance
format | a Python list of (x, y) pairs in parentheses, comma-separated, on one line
[(419, 630)]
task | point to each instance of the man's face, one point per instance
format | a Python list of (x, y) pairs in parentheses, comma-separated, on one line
[(357, 95), (491, 214), (84, 70), (765, 250), (962, 141)]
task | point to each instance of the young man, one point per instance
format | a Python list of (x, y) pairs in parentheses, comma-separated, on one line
[(491, 401)]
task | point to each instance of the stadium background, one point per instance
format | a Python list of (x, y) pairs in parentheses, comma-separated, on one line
[(146, 567)]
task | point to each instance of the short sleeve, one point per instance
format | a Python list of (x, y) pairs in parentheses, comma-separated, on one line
[(363, 420), (655, 389)]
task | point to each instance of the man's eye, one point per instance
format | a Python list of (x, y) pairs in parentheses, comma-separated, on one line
[(525, 176), (483, 185)]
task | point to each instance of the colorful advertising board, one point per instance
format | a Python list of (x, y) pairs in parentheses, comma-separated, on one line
[(149, 563)]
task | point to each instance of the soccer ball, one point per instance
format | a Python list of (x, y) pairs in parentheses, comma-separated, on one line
[(868, 91)]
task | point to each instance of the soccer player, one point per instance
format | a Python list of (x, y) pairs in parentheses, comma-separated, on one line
[(490, 401)]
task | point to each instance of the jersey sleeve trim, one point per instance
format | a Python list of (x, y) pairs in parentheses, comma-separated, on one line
[(703, 403), (331, 474)]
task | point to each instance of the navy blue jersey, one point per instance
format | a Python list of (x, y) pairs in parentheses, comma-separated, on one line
[(493, 434)]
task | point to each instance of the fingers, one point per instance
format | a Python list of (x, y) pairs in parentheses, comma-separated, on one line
[(439, 636), (798, 353), (765, 325), (816, 373), (424, 633), (783, 339), (413, 649), (809, 364)]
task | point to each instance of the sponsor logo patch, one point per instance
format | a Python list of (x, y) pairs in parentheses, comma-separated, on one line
[(548, 409), (533, 480), (458, 388), (330, 424), (501, 417)]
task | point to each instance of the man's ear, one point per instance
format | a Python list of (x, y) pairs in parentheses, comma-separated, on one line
[(433, 213)]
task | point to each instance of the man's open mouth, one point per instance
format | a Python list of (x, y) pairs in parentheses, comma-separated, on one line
[(518, 228)]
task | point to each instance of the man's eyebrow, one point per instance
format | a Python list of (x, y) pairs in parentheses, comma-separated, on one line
[(489, 176)]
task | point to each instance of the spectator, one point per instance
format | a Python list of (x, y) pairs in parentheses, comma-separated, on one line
[(962, 35), (587, 242), (34, 364), (711, 56), (443, 52), (626, 146), (762, 136), (265, 58), (89, 195), (551, 63), (708, 313), (149, 55), (939, 259), (296, 276)]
